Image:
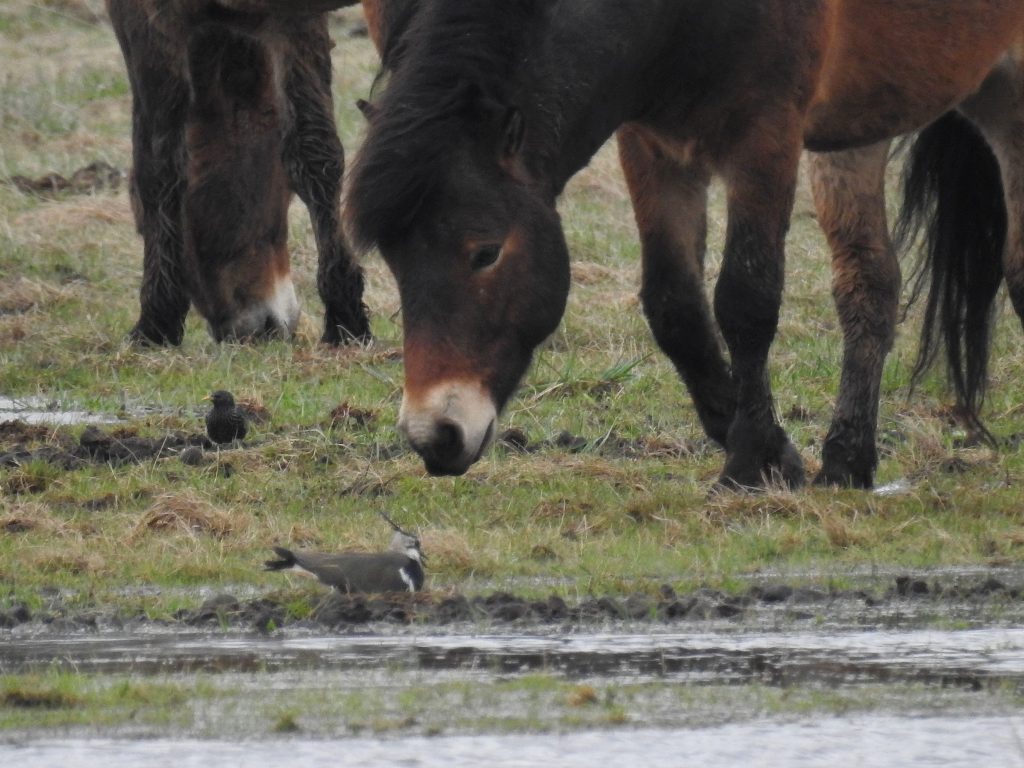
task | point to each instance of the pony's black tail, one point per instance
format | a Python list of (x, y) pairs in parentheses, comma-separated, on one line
[(953, 198)]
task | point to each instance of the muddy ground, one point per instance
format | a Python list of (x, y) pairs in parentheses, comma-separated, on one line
[(969, 601), (21, 443)]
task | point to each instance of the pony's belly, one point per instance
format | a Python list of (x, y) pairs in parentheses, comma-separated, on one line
[(891, 68), (833, 127)]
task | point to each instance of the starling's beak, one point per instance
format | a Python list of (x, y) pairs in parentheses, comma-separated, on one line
[(208, 397)]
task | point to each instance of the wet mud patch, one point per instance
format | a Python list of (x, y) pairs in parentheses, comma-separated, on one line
[(95, 177), (40, 438), (611, 445), (22, 443)]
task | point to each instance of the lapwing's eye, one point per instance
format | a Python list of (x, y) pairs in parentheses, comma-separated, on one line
[(484, 256)]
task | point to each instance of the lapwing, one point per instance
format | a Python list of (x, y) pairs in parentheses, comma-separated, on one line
[(400, 569), (225, 422)]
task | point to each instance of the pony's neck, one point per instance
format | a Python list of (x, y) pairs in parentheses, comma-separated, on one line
[(598, 64), (589, 78)]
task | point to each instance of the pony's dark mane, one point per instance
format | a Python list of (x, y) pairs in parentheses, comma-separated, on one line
[(456, 56)]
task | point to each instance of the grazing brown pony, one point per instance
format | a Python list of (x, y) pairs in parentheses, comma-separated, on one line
[(495, 105), (232, 112)]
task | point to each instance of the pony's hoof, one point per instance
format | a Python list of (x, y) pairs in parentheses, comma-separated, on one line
[(785, 470), (844, 477), (843, 466), (144, 336), (355, 330), (789, 471)]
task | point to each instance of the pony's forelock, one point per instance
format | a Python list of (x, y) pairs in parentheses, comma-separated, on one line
[(453, 56)]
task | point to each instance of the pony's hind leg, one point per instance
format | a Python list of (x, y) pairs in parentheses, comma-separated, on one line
[(316, 164), (670, 202), (849, 192)]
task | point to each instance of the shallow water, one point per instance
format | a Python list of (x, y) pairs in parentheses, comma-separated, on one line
[(863, 741), (965, 657)]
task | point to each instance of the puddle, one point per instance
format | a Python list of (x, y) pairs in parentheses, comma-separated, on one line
[(900, 487), (864, 741), (43, 410)]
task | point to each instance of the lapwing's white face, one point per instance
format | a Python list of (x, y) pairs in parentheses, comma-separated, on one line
[(407, 545)]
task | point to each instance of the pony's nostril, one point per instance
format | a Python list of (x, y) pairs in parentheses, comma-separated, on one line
[(448, 443)]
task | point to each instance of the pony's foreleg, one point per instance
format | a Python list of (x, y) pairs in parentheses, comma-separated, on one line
[(761, 179), (849, 192), (316, 164), (670, 203), (157, 186)]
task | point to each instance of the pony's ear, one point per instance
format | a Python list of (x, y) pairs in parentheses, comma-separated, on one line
[(513, 133)]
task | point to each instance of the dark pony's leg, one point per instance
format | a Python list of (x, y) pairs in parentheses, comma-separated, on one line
[(316, 164), (159, 104), (670, 203), (761, 179), (849, 192)]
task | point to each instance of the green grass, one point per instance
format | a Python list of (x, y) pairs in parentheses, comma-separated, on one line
[(575, 521), (63, 700), (224, 706)]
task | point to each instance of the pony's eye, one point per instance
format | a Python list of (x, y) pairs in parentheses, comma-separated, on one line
[(484, 256)]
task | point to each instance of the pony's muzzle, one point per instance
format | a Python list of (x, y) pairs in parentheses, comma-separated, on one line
[(449, 426), (275, 316)]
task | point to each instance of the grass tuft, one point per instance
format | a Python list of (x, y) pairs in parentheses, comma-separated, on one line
[(189, 514)]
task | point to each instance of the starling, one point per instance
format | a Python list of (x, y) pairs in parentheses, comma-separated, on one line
[(400, 569), (225, 422)]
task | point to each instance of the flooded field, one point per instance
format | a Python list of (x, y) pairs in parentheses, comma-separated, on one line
[(712, 694)]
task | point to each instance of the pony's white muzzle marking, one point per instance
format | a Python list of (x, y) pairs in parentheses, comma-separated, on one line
[(277, 313), (449, 425)]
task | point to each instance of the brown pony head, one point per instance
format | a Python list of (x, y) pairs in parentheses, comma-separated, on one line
[(476, 246), (237, 195)]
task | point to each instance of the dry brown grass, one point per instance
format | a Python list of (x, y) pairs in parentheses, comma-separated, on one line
[(726, 508), (448, 549), (88, 11), (186, 513), (70, 558), (22, 295), (582, 695), (839, 525), (73, 216), (26, 516)]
